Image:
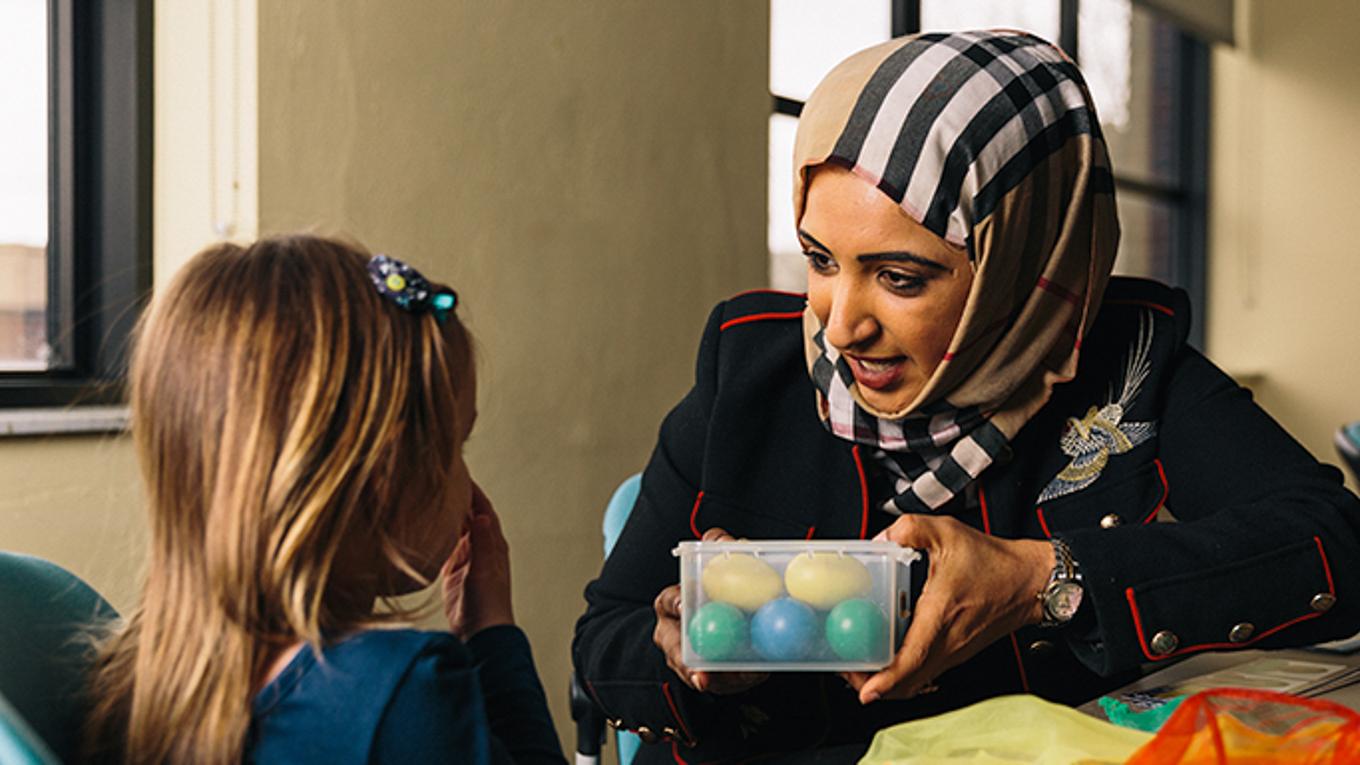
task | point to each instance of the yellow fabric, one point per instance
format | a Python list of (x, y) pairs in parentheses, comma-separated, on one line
[(1007, 730)]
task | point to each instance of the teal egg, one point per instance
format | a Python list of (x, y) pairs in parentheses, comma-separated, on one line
[(857, 630), (717, 631)]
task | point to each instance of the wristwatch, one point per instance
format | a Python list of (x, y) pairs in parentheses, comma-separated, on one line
[(1061, 597)]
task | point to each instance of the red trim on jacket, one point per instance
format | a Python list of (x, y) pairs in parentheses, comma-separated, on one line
[(1015, 643), (1326, 567), (1144, 304), (694, 516), (863, 493), (786, 293), (1024, 681), (1142, 639), (986, 519), (758, 317), (1166, 491), (675, 712), (1043, 524), (811, 530)]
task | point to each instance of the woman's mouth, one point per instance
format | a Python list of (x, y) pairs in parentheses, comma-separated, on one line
[(877, 374)]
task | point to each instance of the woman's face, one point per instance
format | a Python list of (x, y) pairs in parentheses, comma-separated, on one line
[(888, 292)]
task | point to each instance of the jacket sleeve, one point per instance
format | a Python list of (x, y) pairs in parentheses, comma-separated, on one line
[(615, 658), (1265, 553)]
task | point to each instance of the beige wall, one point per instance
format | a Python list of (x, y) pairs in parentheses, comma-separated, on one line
[(591, 179), (76, 501), (1284, 267)]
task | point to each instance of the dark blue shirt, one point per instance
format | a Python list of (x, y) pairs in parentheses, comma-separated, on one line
[(407, 696)]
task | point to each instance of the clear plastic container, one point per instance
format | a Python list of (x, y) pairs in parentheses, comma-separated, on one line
[(793, 605)]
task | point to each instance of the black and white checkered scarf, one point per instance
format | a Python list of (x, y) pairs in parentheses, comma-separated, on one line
[(933, 455)]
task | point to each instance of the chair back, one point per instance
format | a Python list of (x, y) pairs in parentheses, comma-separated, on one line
[(19, 745), (48, 619)]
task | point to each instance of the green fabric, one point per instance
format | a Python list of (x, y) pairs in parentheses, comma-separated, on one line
[(49, 616), (1007, 730), (1139, 719)]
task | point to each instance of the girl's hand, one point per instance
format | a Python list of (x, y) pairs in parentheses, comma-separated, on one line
[(476, 578), (667, 638), (979, 589)]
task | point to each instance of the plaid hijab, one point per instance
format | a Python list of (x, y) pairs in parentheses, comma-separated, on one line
[(989, 140)]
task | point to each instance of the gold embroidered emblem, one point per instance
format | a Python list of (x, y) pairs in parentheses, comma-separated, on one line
[(1091, 440)]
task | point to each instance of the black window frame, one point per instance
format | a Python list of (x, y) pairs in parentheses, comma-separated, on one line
[(99, 253), (1187, 198)]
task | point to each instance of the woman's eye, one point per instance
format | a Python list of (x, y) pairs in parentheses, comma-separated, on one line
[(902, 283), (820, 262)]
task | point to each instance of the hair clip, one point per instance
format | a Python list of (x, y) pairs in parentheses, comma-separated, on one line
[(406, 287)]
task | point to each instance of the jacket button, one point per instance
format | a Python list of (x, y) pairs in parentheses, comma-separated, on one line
[(669, 733), (1110, 521), (1164, 642), (1042, 648), (615, 722), (1323, 601), (1241, 633), (647, 735)]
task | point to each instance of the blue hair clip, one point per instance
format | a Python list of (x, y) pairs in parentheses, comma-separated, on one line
[(406, 287)]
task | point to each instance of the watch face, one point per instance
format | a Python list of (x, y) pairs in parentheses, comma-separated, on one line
[(1062, 601)]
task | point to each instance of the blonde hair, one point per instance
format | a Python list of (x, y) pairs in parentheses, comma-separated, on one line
[(283, 411)]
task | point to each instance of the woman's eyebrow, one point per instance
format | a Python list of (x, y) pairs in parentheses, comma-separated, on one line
[(873, 257), (805, 235)]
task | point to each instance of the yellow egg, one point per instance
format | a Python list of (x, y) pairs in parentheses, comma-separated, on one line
[(742, 580), (824, 579)]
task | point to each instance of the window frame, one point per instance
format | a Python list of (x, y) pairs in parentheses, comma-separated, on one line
[(1187, 198), (99, 253)]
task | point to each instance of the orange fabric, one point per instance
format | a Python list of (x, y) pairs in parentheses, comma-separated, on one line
[(1232, 726)]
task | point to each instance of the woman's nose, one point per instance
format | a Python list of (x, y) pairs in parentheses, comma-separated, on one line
[(850, 322)]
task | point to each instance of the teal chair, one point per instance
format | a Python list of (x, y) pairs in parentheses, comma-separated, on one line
[(19, 745), (46, 619), (590, 727)]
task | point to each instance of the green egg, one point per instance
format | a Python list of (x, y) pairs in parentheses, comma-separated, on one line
[(717, 631), (857, 630)]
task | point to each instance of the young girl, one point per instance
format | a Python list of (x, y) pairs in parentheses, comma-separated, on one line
[(299, 409)]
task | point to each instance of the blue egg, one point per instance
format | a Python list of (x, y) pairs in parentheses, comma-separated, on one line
[(784, 630)]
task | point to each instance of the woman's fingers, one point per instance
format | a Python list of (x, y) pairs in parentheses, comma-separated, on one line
[(716, 534), (666, 635), (909, 669), (979, 588)]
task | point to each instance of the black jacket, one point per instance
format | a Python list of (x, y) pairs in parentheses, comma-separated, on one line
[(1264, 551)]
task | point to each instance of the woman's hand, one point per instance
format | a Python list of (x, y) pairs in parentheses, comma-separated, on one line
[(476, 578), (667, 638), (979, 589)]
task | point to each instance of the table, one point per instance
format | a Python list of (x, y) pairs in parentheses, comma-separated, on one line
[(1204, 663)]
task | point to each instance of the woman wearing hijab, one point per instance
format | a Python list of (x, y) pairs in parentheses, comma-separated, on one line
[(964, 377)]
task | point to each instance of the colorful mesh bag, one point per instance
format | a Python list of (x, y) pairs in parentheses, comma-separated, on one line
[(1232, 726)]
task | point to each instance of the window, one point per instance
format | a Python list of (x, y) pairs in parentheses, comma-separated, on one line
[(75, 201), (1147, 75)]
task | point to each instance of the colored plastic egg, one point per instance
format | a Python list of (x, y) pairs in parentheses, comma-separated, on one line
[(717, 631), (857, 630), (825, 579), (784, 630), (745, 581)]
